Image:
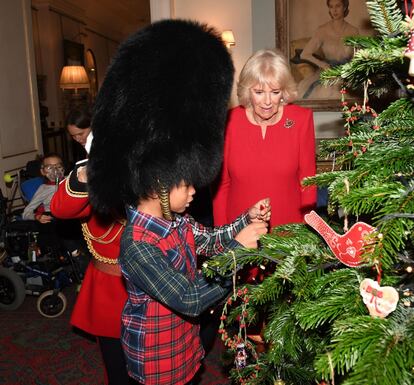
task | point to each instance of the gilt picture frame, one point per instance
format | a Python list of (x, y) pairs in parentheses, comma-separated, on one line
[(296, 23)]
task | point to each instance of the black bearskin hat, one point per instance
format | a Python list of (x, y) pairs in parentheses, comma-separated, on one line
[(160, 114)]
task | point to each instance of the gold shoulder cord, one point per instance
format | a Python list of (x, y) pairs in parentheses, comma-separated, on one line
[(72, 193), (89, 238)]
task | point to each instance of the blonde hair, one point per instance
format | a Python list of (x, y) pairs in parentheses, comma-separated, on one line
[(266, 67)]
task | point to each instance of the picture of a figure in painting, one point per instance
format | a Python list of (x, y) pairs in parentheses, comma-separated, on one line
[(326, 49)]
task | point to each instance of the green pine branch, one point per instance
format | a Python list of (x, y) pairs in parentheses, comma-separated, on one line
[(368, 200), (386, 16), (362, 347), (337, 295), (399, 111), (375, 64)]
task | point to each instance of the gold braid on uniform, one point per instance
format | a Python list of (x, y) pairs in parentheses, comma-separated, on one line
[(73, 193), (89, 238), (164, 196)]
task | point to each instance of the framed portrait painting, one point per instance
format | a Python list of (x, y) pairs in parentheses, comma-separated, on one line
[(310, 33), (73, 53)]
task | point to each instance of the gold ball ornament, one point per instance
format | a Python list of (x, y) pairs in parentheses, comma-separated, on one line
[(279, 382)]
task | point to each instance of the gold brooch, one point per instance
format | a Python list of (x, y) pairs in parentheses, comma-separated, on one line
[(289, 123)]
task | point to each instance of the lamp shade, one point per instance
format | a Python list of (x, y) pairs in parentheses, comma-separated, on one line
[(74, 77), (228, 38)]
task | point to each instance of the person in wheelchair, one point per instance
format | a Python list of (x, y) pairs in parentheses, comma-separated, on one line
[(50, 231), (38, 208)]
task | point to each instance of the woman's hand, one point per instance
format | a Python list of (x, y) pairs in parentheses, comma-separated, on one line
[(249, 236), (260, 211)]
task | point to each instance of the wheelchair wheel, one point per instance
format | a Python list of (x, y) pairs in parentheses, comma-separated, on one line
[(12, 290), (51, 304)]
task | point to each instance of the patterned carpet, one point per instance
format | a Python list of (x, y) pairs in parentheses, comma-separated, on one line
[(38, 351)]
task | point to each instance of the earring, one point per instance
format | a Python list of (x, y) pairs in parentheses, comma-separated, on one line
[(164, 196)]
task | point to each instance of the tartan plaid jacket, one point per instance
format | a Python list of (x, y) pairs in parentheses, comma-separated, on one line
[(160, 331)]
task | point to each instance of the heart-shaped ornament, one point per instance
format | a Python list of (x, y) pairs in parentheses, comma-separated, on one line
[(380, 301)]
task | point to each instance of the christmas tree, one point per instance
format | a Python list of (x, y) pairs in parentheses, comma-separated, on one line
[(336, 304)]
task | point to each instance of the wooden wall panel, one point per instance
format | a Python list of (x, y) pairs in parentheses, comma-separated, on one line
[(20, 137), (18, 121)]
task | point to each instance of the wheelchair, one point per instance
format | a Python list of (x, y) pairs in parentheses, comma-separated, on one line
[(24, 269)]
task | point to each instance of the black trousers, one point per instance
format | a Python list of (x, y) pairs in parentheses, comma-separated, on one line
[(114, 362), (209, 325)]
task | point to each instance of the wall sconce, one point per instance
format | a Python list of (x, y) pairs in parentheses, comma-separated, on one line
[(228, 38), (74, 77)]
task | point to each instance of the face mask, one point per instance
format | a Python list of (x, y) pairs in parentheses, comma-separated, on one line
[(54, 173)]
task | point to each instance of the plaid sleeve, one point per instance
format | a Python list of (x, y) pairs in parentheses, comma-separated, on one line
[(217, 240), (147, 268)]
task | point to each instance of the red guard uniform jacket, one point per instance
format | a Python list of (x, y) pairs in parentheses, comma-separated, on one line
[(102, 296)]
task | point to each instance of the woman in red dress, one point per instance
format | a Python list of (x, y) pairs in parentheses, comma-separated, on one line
[(269, 145)]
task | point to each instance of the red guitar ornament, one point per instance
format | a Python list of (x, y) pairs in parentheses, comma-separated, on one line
[(348, 247)]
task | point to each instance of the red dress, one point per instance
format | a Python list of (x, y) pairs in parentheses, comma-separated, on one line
[(103, 295), (256, 168)]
